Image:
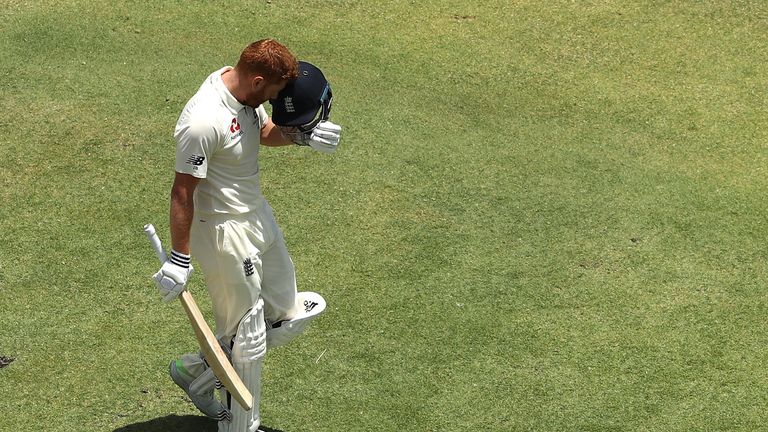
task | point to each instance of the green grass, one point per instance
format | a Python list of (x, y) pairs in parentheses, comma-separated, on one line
[(544, 216)]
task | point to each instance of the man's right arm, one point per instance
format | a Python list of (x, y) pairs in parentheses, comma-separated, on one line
[(182, 210), (176, 270)]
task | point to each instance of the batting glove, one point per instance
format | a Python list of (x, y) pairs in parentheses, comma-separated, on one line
[(173, 275), (324, 137)]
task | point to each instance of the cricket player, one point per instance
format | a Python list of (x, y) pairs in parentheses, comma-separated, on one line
[(219, 215)]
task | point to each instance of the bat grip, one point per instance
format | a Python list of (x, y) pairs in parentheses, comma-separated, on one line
[(149, 230)]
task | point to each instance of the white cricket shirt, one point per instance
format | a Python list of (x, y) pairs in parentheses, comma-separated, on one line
[(217, 140)]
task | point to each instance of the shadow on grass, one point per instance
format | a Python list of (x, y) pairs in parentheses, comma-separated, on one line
[(174, 423)]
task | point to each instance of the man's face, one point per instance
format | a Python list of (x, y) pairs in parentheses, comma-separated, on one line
[(263, 90)]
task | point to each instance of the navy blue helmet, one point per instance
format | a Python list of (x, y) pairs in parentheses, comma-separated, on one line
[(305, 101)]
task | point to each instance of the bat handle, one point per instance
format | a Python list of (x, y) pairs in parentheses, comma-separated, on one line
[(149, 230)]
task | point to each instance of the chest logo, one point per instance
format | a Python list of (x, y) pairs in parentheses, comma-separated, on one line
[(235, 126)]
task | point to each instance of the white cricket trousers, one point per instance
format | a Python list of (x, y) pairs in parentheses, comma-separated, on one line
[(244, 257)]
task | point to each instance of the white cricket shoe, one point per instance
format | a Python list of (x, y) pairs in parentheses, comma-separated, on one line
[(202, 398)]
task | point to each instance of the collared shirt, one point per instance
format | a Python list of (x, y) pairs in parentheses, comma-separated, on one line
[(217, 140)]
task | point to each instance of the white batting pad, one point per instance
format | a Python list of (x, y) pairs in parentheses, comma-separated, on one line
[(247, 358), (311, 305)]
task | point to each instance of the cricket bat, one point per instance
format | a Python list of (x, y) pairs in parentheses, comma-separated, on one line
[(213, 353)]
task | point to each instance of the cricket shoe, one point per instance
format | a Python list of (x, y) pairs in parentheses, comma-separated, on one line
[(200, 390)]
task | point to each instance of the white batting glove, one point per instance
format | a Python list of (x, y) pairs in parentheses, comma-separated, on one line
[(173, 275), (325, 137)]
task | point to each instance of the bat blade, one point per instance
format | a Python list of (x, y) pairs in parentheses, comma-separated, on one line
[(216, 358)]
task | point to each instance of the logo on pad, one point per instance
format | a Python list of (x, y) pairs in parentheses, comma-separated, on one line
[(309, 305)]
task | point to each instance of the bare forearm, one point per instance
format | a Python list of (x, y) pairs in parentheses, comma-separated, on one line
[(181, 223), (182, 212), (272, 137)]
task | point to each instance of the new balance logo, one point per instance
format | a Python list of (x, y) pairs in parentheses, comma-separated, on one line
[(196, 160), (248, 267), (309, 305), (289, 105)]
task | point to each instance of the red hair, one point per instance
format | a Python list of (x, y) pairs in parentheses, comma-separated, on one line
[(270, 59)]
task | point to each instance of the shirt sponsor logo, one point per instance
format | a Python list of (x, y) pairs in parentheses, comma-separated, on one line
[(235, 125)]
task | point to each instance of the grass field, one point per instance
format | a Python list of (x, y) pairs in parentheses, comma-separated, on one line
[(545, 216)]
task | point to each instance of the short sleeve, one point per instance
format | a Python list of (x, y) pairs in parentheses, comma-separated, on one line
[(196, 141), (262, 116)]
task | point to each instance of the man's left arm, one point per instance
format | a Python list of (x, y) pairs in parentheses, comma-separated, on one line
[(323, 138), (271, 135)]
